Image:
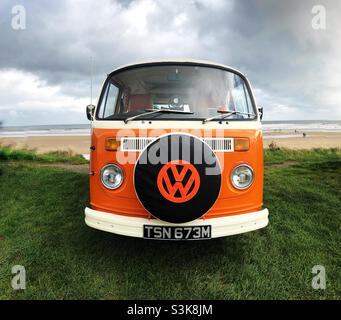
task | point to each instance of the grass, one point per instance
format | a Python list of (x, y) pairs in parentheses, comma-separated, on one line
[(42, 228), (287, 155), (9, 153)]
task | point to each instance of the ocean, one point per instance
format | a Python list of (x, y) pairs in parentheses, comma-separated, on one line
[(303, 125), (46, 130), (84, 129)]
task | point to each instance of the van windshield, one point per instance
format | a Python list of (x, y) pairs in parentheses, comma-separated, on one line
[(198, 91)]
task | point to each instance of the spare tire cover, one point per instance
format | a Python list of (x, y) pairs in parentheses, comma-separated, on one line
[(177, 178)]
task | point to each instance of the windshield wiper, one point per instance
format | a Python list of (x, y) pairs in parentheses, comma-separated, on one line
[(227, 113), (151, 111)]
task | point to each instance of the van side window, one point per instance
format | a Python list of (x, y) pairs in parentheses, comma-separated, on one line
[(109, 101)]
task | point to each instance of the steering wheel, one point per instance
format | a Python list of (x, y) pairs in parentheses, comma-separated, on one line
[(175, 105)]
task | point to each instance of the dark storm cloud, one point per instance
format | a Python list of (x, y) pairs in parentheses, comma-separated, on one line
[(292, 66), (279, 40)]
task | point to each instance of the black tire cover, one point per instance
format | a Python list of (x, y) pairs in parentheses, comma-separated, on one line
[(177, 178)]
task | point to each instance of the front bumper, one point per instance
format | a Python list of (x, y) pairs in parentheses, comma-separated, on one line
[(133, 227)]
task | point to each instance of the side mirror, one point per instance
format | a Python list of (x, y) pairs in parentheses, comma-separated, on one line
[(90, 109), (260, 111)]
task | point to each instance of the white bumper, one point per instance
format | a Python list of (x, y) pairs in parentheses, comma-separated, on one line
[(133, 227)]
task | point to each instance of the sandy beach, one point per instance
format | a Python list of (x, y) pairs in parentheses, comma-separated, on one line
[(297, 141), (81, 144), (42, 144)]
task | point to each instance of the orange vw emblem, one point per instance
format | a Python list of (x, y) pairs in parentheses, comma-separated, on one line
[(178, 181)]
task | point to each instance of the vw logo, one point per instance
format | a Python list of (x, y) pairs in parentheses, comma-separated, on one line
[(178, 181)]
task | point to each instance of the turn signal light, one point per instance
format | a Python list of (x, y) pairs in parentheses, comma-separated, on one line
[(241, 144), (112, 144)]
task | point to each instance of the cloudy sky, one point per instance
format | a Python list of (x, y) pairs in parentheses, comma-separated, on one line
[(295, 69)]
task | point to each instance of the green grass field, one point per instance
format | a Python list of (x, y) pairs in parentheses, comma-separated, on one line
[(42, 228)]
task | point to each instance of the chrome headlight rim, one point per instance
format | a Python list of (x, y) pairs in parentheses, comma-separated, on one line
[(252, 177), (117, 167)]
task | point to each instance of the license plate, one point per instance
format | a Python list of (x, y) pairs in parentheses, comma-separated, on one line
[(176, 233)]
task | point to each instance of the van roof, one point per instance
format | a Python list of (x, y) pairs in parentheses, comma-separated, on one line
[(175, 61)]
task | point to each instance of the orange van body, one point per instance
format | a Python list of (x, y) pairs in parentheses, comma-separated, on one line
[(230, 201), (121, 211)]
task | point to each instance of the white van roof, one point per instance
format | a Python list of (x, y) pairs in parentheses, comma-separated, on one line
[(178, 60)]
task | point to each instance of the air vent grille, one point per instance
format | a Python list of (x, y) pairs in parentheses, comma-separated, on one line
[(137, 144)]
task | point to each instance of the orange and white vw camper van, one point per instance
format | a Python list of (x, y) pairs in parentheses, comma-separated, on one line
[(176, 152)]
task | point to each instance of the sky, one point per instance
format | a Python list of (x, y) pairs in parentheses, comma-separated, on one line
[(289, 50)]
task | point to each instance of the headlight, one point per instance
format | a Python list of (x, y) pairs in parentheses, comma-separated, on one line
[(242, 176), (112, 176)]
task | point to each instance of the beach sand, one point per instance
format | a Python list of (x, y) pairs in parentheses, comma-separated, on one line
[(42, 144), (81, 144), (312, 140)]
